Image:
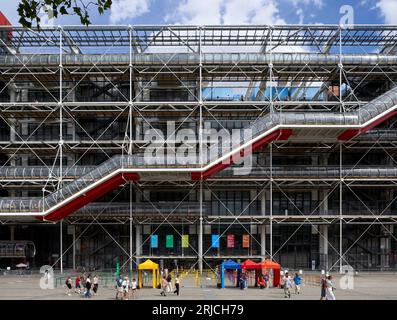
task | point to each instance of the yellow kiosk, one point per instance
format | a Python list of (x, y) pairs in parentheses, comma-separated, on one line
[(154, 267)]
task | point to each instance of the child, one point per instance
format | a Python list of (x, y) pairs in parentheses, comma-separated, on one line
[(134, 287), (297, 281)]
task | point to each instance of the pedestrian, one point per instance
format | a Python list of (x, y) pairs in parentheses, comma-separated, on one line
[(261, 282), (88, 287), (241, 281), (330, 289), (164, 286), (78, 284), (169, 280), (297, 281), (176, 285), (287, 285), (323, 286), (267, 280), (134, 288), (244, 281), (68, 284), (125, 287), (95, 285), (119, 287)]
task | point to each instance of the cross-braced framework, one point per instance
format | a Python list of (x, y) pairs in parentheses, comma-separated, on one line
[(77, 103)]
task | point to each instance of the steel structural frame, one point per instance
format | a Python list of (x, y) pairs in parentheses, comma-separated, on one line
[(190, 36)]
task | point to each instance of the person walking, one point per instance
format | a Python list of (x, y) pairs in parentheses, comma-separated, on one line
[(134, 288), (267, 280), (119, 288), (95, 283), (176, 285), (125, 287), (297, 282), (88, 287), (78, 284), (330, 289), (164, 286), (287, 285), (68, 284), (169, 280)]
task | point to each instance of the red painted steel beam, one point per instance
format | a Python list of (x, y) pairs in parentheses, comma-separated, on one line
[(90, 196), (281, 134), (352, 133)]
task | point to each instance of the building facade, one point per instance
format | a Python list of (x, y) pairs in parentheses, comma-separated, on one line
[(91, 119)]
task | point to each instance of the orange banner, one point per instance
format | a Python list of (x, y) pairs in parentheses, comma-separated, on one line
[(246, 240)]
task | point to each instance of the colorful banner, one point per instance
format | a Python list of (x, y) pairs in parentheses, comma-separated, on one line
[(246, 240), (154, 241), (185, 241), (169, 241), (215, 241), (230, 241)]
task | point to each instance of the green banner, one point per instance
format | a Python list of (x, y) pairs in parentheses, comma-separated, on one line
[(169, 241), (117, 267), (185, 241)]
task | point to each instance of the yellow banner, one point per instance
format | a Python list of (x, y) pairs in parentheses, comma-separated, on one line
[(185, 241)]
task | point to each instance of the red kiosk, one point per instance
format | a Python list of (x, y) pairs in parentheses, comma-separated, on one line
[(251, 265), (271, 265)]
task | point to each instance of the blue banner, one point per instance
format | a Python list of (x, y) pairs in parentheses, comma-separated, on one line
[(215, 241), (154, 241)]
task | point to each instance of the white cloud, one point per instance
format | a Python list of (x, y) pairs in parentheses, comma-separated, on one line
[(388, 9), (317, 3), (198, 12), (122, 10), (299, 4), (253, 11), (202, 12), (300, 14)]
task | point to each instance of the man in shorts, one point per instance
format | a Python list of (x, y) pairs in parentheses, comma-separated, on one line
[(119, 288), (125, 286)]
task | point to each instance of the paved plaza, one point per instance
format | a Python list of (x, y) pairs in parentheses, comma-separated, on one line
[(369, 286)]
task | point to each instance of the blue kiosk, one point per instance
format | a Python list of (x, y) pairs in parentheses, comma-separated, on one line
[(229, 265)]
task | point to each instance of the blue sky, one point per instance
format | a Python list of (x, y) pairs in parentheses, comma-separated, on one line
[(231, 12)]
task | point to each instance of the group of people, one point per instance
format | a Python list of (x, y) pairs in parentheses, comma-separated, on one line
[(262, 281), (126, 289), (327, 286), (83, 285), (287, 282), (166, 285)]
